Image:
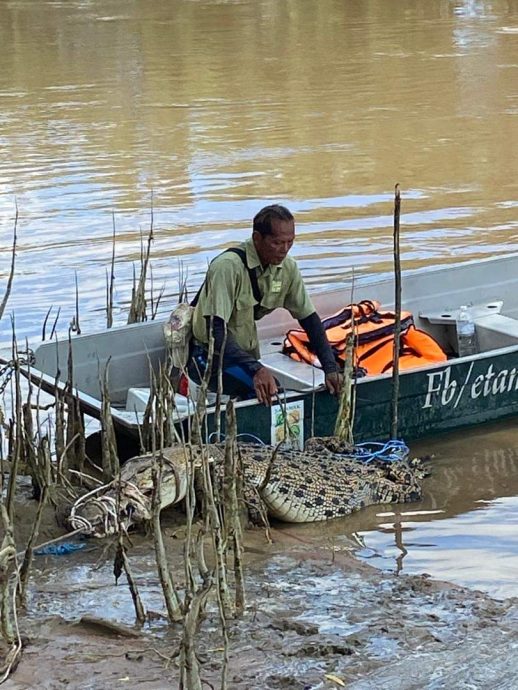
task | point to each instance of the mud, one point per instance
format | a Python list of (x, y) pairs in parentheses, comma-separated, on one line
[(316, 618)]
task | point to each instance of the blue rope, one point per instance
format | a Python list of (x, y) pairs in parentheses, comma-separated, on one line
[(58, 549), (221, 437), (254, 438), (391, 451)]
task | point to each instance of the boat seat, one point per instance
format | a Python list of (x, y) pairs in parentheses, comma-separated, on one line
[(495, 331), (138, 399), (293, 375), (449, 316)]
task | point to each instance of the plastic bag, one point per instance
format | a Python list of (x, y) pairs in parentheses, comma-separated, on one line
[(178, 332)]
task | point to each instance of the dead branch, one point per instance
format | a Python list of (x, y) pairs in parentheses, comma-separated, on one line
[(9, 285)]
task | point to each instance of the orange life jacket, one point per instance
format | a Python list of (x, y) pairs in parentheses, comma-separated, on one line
[(374, 340)]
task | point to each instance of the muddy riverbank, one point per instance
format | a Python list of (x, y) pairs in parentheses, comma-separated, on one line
[(316, 618)]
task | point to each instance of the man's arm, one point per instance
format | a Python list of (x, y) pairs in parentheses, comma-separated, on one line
[(233, 354), (265, 384), (318, 339)]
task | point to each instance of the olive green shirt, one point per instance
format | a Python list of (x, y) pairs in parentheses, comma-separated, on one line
[(227, 293)]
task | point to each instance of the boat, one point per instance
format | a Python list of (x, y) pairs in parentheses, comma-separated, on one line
[(460, 392)]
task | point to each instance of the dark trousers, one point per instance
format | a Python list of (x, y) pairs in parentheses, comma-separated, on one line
[(237, 382)]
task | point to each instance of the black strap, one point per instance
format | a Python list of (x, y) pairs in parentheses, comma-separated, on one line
[(251, 274)]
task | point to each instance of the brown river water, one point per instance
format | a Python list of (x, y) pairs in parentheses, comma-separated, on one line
[(194, 114)]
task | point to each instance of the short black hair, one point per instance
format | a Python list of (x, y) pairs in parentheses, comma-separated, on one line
[(263, 219)]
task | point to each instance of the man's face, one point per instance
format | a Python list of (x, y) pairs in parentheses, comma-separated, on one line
[(273, 249)]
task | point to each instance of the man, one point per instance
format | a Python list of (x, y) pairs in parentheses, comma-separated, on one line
[(227, 309)]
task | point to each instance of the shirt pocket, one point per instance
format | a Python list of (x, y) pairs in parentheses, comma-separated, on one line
[(243, 313), (272, 301)]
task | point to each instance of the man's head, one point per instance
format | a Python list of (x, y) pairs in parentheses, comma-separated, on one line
[(273, 234)]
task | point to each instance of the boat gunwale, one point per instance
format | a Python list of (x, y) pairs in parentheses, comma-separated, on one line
[(92, 405)]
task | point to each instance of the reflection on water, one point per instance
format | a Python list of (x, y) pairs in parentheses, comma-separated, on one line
[(478, 548), (76, 586), (465, 529)]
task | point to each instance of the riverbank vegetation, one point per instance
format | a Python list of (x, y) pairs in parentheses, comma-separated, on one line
[(45, 439)]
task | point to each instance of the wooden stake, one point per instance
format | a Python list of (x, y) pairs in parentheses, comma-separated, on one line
[(110, 456), (397, 310), (110, 281), (11, 272), (74, 326), (172, 600)]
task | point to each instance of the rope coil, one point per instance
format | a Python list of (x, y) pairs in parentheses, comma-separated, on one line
[(391, 451), (367, 452)]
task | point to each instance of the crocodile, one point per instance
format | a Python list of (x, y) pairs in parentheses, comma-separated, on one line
[(326, 480)]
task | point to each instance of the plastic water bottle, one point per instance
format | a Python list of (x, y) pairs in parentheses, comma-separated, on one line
[(466, 336)]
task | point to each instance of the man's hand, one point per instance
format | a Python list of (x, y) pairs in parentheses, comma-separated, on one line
[(334, 382), (265, 386)]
